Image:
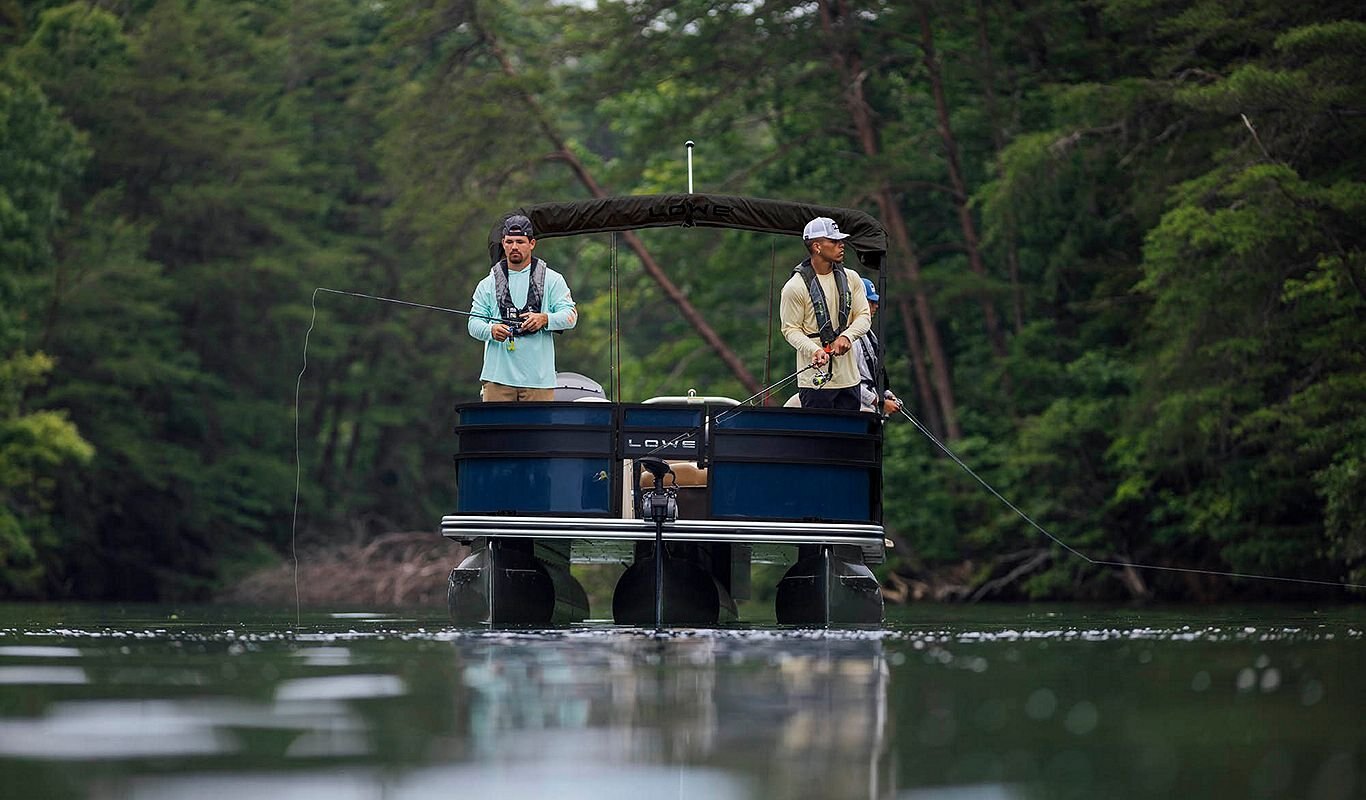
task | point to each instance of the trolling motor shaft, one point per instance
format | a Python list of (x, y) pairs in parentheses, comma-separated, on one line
[(661, 506)]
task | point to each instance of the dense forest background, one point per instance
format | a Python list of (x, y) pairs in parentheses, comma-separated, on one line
[(1127, 281)]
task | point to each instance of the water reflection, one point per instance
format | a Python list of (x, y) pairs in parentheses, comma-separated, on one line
[(802, 717), (581, 781), (405, 713), (93, 730), (1029, 705), (1077, 709)]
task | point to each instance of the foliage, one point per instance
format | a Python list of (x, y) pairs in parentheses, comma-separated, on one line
[(34, 448), (1165, 194), (40, 155)]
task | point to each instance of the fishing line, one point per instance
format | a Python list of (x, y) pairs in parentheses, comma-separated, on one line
[(406, 303), (298, 464), (1103, 562), (728, 414), (298, 384)]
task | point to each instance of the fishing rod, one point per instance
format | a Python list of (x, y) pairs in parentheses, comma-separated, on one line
[(1099, 561), (762, 394), (514, 325)]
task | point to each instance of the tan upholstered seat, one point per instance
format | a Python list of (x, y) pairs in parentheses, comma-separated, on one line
[(692, 488), (686, 473)]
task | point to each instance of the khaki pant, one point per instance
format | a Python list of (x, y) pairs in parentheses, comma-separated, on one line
[(498, 393)]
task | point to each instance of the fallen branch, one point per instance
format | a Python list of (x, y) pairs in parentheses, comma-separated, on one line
[(1032, 564), (396, 570)]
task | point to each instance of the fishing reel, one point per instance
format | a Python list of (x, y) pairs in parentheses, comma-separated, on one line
[(514, 326), (660, 504), (819, 378)]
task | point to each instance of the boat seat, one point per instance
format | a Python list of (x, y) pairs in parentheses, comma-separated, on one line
[(687, 473)]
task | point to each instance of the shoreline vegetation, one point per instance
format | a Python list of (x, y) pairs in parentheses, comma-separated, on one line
[(1125, 283), (396, 570), (409, 570)]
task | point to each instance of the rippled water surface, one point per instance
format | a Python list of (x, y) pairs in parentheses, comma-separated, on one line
[(942, 702)]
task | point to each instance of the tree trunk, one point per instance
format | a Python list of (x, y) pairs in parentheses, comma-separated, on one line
[(919, 374), (652, 268), (849, 64), (326, 466), (929, 327), (357, 433), (956, 179)]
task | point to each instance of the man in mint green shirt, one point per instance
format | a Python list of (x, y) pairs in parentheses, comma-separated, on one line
[(519, 364)]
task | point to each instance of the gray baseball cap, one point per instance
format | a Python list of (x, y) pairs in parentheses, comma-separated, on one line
[(823, 228)]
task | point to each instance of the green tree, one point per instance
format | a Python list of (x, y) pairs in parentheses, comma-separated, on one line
[(40, 157), (1259, 280), (35, 447)]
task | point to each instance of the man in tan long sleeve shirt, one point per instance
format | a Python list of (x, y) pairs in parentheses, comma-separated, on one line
[(824, 309)]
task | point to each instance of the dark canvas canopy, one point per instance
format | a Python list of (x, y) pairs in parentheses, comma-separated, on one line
[(866, 236)]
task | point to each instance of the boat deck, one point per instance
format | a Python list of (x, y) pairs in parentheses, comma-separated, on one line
[(867, 537)]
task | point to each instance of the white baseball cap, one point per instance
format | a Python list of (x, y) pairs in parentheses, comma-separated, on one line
[(823, 228)]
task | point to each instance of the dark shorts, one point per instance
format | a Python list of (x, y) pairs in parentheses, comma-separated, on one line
[(841, 399)]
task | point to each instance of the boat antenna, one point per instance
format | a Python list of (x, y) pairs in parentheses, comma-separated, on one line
[(614, 313), (772, 269), (689, 144)]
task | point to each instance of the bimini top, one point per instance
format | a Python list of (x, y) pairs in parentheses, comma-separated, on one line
[(629, 212)]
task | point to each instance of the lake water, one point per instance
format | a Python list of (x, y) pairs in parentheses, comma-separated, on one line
[(941, 702)]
